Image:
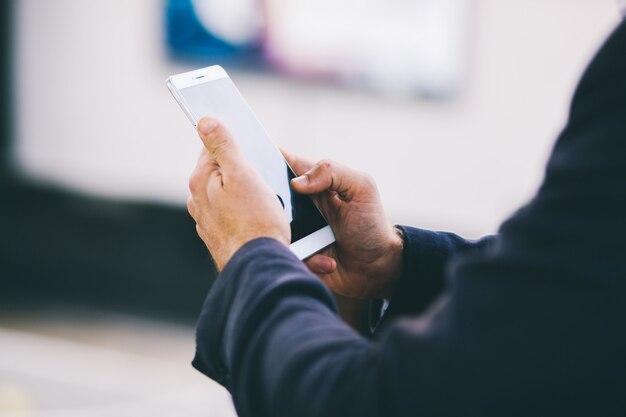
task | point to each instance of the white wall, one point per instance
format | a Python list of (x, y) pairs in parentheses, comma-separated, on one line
[(94, 114)]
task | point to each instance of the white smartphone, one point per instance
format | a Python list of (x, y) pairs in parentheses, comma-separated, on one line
[(210, 92)]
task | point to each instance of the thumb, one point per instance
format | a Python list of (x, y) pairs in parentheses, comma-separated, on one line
[(219, 143), (328, 176), (321, 264)]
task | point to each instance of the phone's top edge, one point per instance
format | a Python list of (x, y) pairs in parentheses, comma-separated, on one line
[(199, 76)]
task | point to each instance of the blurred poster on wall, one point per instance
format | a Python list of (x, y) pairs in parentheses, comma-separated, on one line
[(392, 46), (225, 30), (407, 47)]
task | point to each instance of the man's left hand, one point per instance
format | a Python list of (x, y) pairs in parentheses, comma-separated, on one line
[(229, 201)]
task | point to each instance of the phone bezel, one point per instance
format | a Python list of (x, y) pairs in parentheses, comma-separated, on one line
[(302, 248)]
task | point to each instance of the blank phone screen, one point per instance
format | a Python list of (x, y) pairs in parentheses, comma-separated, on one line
[(221, 99)]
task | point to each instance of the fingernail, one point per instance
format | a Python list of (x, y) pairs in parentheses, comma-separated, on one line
[(326, 265), (301, 180), (206, 125)]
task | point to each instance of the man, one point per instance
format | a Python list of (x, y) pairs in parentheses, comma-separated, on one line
[(530, 322)]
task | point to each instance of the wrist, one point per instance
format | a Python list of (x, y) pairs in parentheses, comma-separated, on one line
[(222, 255), (393, 262)]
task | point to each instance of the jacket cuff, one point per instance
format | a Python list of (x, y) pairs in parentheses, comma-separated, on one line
[(209, 357), (426, 255)]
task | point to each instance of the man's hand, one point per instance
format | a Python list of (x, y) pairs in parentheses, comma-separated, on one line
[(366, 260), (229, 201)]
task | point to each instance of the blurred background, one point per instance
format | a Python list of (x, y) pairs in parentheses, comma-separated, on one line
[(452, 105)]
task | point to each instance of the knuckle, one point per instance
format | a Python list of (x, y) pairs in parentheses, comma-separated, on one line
[(220, 148), (326, 164), (194, 183), (199, 179), (368, 180), (190, 205)]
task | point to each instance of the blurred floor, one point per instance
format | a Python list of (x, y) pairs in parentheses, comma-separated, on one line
[(60, 361)]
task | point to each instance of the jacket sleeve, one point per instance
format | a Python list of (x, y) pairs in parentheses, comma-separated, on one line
[(426, 254), (531, 325), (505, 341)]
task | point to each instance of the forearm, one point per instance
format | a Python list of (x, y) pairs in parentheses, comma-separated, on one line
[(269, 333), (266, 319)]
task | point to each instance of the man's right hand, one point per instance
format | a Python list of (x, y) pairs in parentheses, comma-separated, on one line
[(366, 259)]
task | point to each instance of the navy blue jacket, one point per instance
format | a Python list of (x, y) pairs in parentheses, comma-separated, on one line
[(531, 323)]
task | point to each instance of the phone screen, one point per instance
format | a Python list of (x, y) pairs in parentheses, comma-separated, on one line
[(220, 99)]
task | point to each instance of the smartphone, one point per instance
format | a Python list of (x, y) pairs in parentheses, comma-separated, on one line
[(210, 92)]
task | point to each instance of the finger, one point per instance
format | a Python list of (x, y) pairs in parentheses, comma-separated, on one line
[(205, 167), (199, 232), (321, 264), (328, 176), (298, 164), (220, 144), (191, 207)]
